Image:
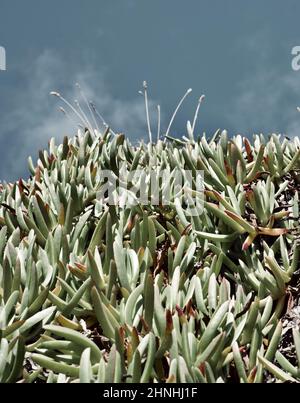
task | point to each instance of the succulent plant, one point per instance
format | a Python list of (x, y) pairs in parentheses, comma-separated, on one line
[(91, 292)]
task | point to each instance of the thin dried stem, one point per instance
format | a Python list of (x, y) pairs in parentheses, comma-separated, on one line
[(201, 99), (90, 127), (88, 105), (158, 122), (147, 110), (176, 110), (61, 109), (57, 94)]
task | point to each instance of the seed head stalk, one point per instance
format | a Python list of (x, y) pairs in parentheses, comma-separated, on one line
[(88, 105), (145, 86), (176, 110), (201, 99), (158, 122)]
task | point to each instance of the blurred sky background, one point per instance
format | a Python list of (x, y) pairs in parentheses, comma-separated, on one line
[(237, 53)]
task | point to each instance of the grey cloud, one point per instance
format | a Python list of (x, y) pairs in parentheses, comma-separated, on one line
[(262, 102), (266, 98), (34, 117)]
